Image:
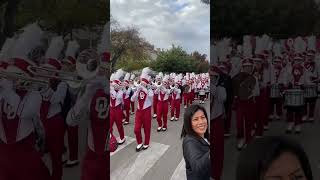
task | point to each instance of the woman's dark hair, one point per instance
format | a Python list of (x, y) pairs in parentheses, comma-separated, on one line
[(187, 125), (255, 160)]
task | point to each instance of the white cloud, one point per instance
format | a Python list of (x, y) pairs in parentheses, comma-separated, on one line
[(165, 22)]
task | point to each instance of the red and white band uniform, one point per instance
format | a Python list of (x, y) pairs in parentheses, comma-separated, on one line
[(245, 116), (93, 105), (175, 105), (19, 124), (162, 106), (72, 131), (155, 103), (277, 78), (116, 114), (262, 101), (126, 101), (143, 115), (310, 76), (296, 81), (217, 113), (54, 125)]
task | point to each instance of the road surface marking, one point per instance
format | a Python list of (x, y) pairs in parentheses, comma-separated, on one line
[(129, 140), (180, 172), (139, 165)]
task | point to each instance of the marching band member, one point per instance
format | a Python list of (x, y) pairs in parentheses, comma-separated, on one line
[(132, 87), (155, 94), (225, 81), (277, 73), (186, 91), (310, 81), (93, 102), (116, 102), (245, 89), (69, 65), (51, 108), (176, 96), (217, 111), (126, 98), (143, 115), (262, 73), (162, 106), (296, 81), (20, 126)]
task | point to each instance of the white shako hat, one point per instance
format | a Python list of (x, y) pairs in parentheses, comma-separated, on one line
[(53, 53), (117, 76), (145, 77), (70, 55)]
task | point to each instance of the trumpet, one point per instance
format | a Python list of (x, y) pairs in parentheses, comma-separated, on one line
[(157, 85), (137, 83)]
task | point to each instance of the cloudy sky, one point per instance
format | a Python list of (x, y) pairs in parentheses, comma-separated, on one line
[(165, 22)]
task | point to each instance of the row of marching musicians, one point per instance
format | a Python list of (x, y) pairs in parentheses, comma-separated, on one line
[(154, 94), (256, 79), (261, 80), (42, 100)]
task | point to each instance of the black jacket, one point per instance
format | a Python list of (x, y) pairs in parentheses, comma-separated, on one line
[(226, 82), (196, 154)]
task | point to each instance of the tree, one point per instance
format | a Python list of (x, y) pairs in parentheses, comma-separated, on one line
[(177, 60), (277, 18), (7, 19), (127, 45), (62, 17)]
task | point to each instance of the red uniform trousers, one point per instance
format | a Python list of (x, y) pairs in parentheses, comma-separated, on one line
[(186, 99), (95, 166), (132, 106), (162, 113), (154, 104), (245, 119), (175, 108), (127, 108), (217, 147), (143, 118), (55, 130), (116, 117), (228, 119), (191, 97), (278, 102), (262, 108), (310, 106), (294, 114), (73, 142), (20, 161)]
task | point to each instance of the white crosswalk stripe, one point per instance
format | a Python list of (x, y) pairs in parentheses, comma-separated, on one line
[(129, 140), (180, 172), (138, 165)]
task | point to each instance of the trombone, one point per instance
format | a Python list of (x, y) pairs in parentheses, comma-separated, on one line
[(15, 76), (75, 81)]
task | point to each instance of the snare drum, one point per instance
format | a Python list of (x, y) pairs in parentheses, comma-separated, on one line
[(275, 91), (202, 92), (294, 97), (310, 91)]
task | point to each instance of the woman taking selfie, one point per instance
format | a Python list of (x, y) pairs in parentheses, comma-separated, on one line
[(273, 158), (196, 148)]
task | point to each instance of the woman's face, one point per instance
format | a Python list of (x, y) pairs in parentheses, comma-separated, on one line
[(199, 123), (286, 167)]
